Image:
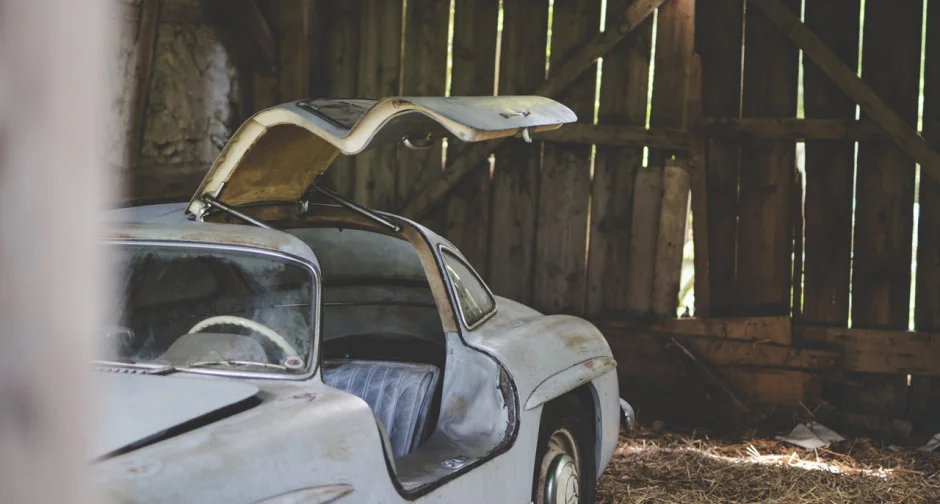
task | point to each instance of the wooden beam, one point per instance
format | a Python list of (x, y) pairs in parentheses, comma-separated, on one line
[(756, 329), (728, 352), (254, 33), (880, 351), (899, 131), (146, 43), (567, 72), (792, 128), (618, 135)]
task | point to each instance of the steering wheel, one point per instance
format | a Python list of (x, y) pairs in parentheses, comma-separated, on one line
[(263, 330)]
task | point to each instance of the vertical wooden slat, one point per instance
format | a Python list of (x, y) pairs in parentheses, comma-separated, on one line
[(881, 278), (829, 169), (927, 298), (425, 74), (379, 64), (466, 210), (294, 51), (565, 178), (925, 392), (265, 86), (342, 22), (623, 95), (765, 230), (675, 36), (699, 189), (644, 228), (881, 272), (670, 240), (515, 179), (718, 41)]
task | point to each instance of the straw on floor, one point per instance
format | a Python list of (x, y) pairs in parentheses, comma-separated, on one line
[(652, 466)]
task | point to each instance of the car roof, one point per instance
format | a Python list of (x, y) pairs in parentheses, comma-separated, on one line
[(207, 233)]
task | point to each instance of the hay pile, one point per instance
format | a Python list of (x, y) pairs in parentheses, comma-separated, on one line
[(651, 466)]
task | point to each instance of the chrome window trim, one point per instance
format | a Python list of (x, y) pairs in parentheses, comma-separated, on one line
[(453, 292), (312, 362)]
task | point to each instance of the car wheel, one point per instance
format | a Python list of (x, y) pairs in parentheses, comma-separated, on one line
[(564, 461)]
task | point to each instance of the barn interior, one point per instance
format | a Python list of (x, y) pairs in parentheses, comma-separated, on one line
[(748, 206)]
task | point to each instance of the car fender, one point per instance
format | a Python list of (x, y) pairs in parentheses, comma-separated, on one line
[(535, 348), (569, 379)]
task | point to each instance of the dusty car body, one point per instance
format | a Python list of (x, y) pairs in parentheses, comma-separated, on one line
[(376, 365)]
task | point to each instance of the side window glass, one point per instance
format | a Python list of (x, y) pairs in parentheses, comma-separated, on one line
[(474, 300)]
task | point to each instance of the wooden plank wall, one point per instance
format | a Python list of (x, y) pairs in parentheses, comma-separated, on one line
[(550, 224)]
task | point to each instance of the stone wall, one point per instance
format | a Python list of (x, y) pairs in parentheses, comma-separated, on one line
[(192, 105)]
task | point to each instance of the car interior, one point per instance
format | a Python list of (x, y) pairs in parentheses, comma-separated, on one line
[(382, 337)]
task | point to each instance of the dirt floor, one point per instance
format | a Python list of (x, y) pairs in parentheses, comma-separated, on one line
[(655, 466)]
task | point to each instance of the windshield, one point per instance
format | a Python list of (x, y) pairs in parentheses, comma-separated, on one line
[(200, 308)]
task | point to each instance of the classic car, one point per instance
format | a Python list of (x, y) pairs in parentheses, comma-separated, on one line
[(275, 342)]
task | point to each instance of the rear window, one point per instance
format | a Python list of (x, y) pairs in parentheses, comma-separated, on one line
[(472, 295)]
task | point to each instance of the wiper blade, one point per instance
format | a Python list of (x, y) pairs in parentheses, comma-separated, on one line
[(231, 362), (138, 367)]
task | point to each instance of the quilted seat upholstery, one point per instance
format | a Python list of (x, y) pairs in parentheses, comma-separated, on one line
[(399, 393)]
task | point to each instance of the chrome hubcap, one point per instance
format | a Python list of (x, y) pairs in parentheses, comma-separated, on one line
[(559, 474)]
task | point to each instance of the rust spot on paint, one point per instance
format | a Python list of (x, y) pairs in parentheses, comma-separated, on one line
[(457, 407), (573, 341)]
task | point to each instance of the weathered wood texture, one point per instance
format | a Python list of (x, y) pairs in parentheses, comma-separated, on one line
[(647, 200), (565, 177), (718, 41), (515, 179), (341, 55), (625, 22), (379, 59), (424, 73), (466, 212), (881, 274), (670, 240), (622, 100), (675, 39), (830, 168), (924, 391), (698, 189), (765, 231)]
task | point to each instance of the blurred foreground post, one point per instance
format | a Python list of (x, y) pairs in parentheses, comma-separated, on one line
[(53, 84)]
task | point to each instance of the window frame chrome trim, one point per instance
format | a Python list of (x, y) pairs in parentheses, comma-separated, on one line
[(313, 363), (442, 248)]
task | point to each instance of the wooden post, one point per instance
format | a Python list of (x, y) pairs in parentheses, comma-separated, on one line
[(53, 185), (670, 241)]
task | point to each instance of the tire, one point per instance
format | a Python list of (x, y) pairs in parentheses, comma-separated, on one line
[(564, 460)]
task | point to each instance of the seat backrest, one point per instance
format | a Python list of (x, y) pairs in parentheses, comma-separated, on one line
[(399, 393)]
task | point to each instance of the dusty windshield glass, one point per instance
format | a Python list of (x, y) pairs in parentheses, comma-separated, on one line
[(208, 308)]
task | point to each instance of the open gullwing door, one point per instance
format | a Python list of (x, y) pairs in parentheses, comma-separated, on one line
[(276, 154)]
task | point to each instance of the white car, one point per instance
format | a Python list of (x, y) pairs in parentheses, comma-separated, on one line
[(277, 343)]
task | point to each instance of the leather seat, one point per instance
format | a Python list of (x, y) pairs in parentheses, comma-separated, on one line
[(399, 393)]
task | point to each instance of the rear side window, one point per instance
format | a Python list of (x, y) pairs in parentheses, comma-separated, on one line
[(472, 295)]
